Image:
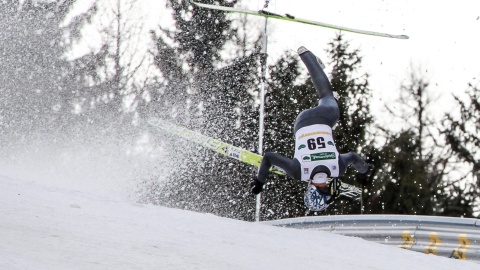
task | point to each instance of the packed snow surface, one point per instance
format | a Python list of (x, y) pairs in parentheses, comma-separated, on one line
[(54, 228)]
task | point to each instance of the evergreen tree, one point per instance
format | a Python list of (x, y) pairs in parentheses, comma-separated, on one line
[(402, 185), (196, 41), (202, 91), (413, 179), (107, 77), (463, 130), (461, 133)]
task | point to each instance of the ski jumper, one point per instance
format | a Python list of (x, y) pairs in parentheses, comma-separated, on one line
[(315, 150)]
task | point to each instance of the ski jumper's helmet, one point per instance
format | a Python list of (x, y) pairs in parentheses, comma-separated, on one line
[(315, 200)]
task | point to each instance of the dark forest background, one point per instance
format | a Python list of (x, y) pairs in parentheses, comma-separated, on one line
[(426, 167)]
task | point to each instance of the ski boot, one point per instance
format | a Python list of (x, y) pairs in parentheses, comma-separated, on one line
[(302, 50)]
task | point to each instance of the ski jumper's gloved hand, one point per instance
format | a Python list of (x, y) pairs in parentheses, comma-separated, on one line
[(256, 186)]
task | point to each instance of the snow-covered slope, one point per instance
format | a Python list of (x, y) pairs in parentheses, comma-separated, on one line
[(52, 228)]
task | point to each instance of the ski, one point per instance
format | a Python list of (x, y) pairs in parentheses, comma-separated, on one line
[(288, 17), (215, 145), (348, 191)]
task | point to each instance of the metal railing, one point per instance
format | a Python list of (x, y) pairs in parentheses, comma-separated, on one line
[(457, 238)]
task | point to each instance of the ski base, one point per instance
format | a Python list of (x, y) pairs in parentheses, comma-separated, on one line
[(288, 17), (347, 191)]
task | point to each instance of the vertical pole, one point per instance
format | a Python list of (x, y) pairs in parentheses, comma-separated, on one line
[(261, 128), (361, 200)]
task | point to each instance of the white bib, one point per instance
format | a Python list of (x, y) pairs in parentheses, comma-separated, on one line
[(314, 146)]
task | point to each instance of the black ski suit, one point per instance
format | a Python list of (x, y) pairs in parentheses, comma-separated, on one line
[(326, 113)]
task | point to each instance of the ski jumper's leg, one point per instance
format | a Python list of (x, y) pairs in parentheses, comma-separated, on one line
[(318, 76), (327, 112), (351, 158), (290, 166)]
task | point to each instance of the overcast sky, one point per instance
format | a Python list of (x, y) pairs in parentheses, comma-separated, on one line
[(444, 40)]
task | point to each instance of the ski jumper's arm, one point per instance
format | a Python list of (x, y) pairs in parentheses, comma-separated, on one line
[(352, 158), (290, 166)]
